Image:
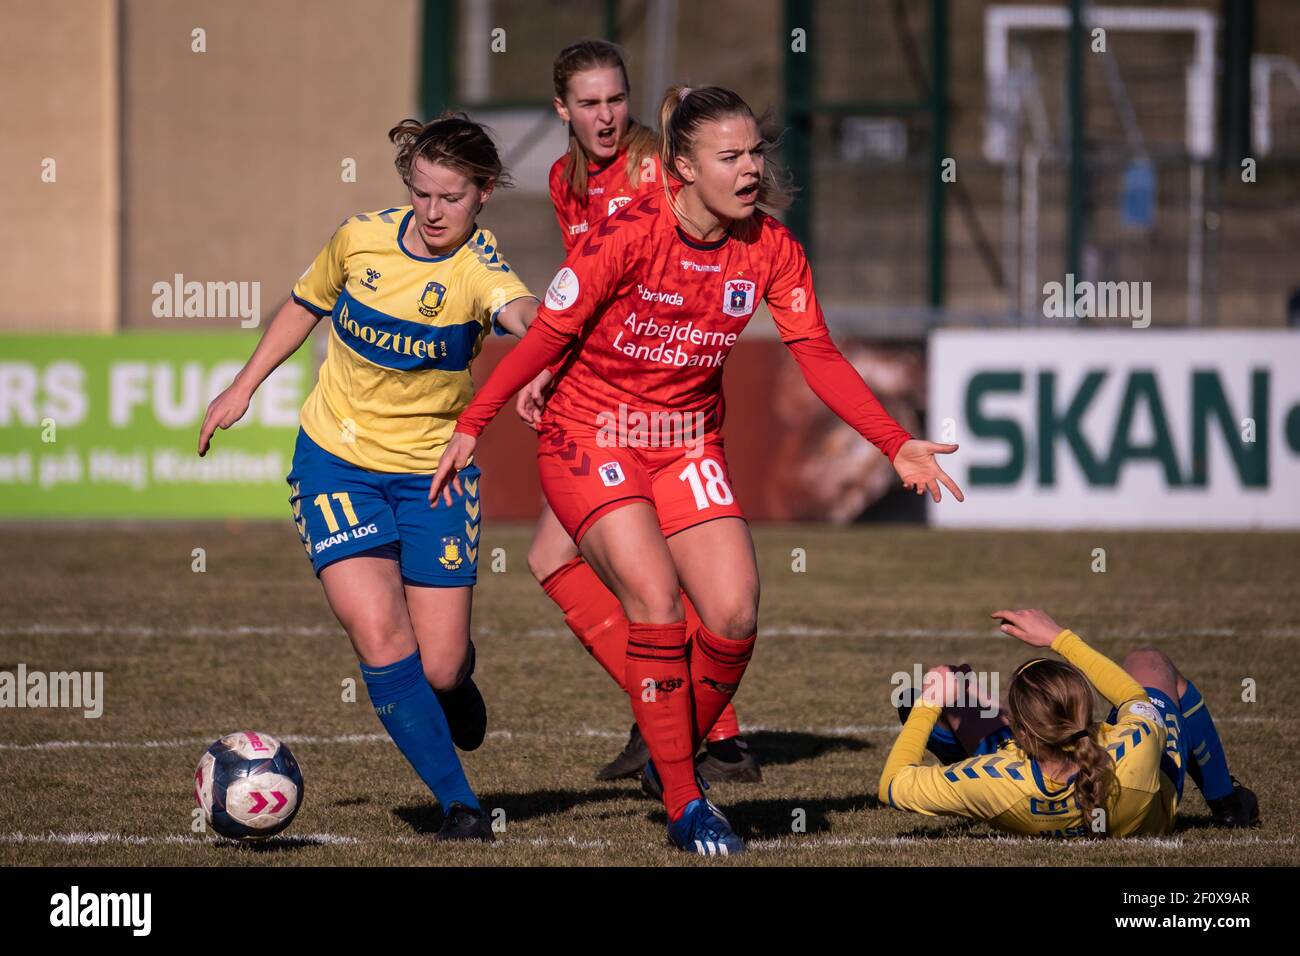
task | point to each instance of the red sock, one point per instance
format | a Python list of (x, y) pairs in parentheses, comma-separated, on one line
[(725, 727), (658, 682), (717, 664), (592, 613), (728, 724), (596, 618)]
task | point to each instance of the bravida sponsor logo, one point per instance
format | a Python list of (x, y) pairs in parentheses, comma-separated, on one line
[(653, 295)]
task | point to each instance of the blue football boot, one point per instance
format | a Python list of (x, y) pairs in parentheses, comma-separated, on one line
[(704, 830)]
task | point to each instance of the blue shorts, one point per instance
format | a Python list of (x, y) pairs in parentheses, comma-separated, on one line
[(1173, 763), (993, 742), (342, 511)]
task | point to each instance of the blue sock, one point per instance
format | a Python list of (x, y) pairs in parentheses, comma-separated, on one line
[(410, 712), (944, 745), (1209, 764), (992, 741)]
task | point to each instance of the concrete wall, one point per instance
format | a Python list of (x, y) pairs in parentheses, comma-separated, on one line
[(235, 155), (58, 250)]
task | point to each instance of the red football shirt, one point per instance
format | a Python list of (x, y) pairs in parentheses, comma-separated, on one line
[(656, 311), (608, 190), (647, 315)]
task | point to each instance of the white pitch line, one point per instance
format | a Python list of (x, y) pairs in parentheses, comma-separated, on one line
[(842, 730), (181, 742), (146, 630), (773, 631), (1157, 843), (91, 838), (851, 730)]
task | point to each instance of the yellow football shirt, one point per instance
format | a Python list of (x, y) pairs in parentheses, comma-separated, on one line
[(1008, 789), (403, 331)]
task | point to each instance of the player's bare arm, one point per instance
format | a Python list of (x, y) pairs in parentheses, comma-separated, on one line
[(516, 316), (285, 335)]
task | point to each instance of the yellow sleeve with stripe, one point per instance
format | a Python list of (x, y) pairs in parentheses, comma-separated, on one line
[(320, 285), (907, 785), (909, 748), (1112, 681), (495, 284)]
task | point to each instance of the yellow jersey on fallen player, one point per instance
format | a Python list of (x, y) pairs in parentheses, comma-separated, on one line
[(404, 329), (1008, 790)]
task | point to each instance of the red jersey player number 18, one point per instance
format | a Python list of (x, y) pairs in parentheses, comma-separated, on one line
[(611, 160), (652, 301)]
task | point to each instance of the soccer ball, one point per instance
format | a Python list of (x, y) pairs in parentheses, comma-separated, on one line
[(248, 785)]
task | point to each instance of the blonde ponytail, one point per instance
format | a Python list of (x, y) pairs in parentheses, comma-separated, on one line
[(1049, 705)]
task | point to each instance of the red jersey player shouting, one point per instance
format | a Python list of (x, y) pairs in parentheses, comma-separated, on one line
[(611, 160), (631, 455)]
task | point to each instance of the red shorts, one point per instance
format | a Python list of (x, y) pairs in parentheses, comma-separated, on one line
[(583, 479)]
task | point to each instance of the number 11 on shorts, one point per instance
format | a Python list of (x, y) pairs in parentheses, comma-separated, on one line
[(712, 487), (345, 500)]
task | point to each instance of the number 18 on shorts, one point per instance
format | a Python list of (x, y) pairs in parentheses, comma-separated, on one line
[(584, 480)]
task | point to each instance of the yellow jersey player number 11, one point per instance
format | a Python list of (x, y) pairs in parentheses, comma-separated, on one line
[(410, 292)]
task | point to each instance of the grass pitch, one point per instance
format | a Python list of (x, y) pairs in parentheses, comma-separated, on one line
[(250, 644)]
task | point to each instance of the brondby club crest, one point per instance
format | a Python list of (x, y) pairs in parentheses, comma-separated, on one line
[(431, 300), (451, 557)]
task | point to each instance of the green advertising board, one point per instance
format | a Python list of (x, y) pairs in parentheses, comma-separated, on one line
[(107, 427)]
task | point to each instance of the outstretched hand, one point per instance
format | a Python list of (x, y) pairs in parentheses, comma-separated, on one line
[(223, 411), (916, 465), (531, 400), (1032, 625), (454, 458)]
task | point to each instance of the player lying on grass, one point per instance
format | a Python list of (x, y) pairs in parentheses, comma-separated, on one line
[(1043, 767), (411, 292), (611, 160)]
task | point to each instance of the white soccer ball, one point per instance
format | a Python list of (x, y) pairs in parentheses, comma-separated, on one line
[(249, 786)]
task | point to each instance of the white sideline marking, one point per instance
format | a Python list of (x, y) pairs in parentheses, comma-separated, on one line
[(1156, 843), (181, 742), (86, 838), (774, 631), (144, 630), (844, 730)]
